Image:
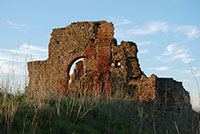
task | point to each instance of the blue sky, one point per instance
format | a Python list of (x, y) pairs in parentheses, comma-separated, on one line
[(167, 32)]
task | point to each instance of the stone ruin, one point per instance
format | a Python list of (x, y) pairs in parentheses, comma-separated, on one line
[(103, 68)]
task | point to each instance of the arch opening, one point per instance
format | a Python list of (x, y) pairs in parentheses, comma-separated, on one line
[(75, 70)]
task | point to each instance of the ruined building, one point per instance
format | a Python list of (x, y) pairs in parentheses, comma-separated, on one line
[(105, 68)]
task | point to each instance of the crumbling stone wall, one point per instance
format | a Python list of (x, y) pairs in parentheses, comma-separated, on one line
[(171, 94), (107, 68)]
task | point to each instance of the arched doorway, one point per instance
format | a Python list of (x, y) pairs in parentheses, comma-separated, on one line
[(76, 70), (70, 69), (86, 54)]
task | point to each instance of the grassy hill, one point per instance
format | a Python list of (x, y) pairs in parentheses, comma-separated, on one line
[(56, 115)]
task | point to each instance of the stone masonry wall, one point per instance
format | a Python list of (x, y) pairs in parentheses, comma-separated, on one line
[(170, 94), (106, 69)]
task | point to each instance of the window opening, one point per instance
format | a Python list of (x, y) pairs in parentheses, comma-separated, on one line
[(117, 64)]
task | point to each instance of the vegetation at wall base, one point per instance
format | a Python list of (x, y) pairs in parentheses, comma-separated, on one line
[(59, 115)]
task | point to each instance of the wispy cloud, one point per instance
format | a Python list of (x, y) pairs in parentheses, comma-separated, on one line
[(18, 55), (197, 74), (33, 48), (11, 59), (119, 21), (186, 80), (173, 52), (144, 43), (158, 69), (150, 29), (15, 25), (189, 30), (8, 68), (144, 51), (182, 71), (158, 58)]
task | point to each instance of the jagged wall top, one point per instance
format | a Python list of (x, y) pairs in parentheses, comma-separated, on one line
[(80, 33)]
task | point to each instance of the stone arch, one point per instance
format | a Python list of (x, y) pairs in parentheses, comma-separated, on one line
[(87, 53), (72, 62)]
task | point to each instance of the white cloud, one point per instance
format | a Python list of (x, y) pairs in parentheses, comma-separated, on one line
[(169, 50), (182, 71), (33, 48), (6, 57), (150, 29), (15, 25), (159, 68), (144, 43), (197, 74), (119, 21), (189, 30), (9, 68), (172, 53), (194, 68), (144, 51), (186, 80), (15, 59), (158, 58), (24, 51), (187, 60)]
